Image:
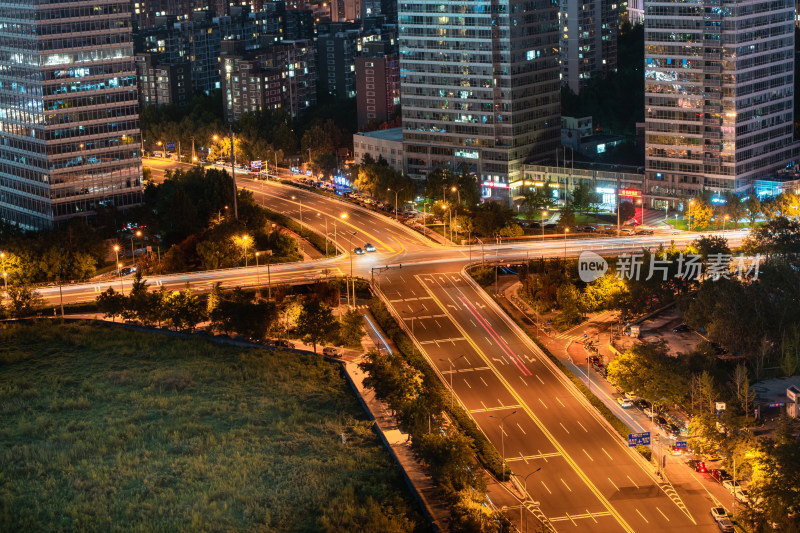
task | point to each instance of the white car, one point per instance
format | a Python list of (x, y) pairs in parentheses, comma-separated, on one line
[(741, 495), (624, 403), (718, 513), (330, 351), (731, 485)]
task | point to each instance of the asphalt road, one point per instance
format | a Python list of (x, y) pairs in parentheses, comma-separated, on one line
[(589, 480)]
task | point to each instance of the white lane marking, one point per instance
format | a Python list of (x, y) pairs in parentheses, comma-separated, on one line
[(522, 430), (548, 488), (523, 381), (559, 401), (615, 485), (544, 404), (474, 325), (591, 516), (540, 379), (520, 454), (503, 339), (581, 425), (662, 514), (484, 405), (565, 429), (587, 455), (423, 325), (484, 381), (565, 484), (643, 518), (467, 382), (487, 339), (632, 481), (437, 323), (605, 452), (542, 456)]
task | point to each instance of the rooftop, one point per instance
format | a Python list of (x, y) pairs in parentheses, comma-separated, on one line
[(390, 134)]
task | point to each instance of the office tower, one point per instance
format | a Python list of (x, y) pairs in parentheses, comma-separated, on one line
[(588, 43), (719, 80), (70, 139), (479, 86), (377, 84)]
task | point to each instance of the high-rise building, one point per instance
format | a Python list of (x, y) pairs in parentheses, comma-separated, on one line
[(719, 82), (163, 84), (377, 84), (588, 42), (479, 86), (69, 116)]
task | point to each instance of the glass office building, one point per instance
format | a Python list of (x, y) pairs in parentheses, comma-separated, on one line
[(479, 86), (719, 83), (69, 123)]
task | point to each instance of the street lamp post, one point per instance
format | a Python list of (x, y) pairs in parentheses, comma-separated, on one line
[(544, 214), (566, 230), (258, 279), (691, 203), (301, 213), (457, 191), (350, 251), (245, 238), (450, 360), (724, 220), (502, 440), (395, 203), (525, 490)]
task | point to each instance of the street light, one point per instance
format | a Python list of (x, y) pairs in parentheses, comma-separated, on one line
[(691, 203), (350, 239), (458, 191), (724, 220), (413, 315), (544, 214), (566, 230), (395, 203), (133, 254), (449, 360), (301, 213), (525, 487), (245, 238), (502, 440)]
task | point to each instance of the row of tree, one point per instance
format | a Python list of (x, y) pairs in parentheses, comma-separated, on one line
[(237, 311)]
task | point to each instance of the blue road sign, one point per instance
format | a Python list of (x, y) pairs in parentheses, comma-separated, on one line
[(170, 146), (255, 164), (638, 439), (681, 444)]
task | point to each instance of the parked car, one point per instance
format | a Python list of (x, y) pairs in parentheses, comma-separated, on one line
[(626, 232), (718, 513), (693, 463), (369, 247), (648, 411), (330, 351), (725, 525), (644, 232), (741, 495), (720, 475), (681, 329), (731, 485), (283, 343), (358, 251), (624, 403), (550, 226), (700, 468)]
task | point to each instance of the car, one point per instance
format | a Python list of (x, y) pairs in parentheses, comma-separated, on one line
[(369, 247), (693, 463), (718, 513), (358, 251), (648, 411), (624, 403), (700, 468), (283, 343), (720, 475), (659, 420), (741, 495), (681, 329), (330, 351), (731, 485), (725, 525), (626, 232), (550, 226)]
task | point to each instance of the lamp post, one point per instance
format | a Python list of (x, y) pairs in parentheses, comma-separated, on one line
[(566, 230), (245, 238), (449, 360), (691, 203), (724, 220), (457, 191), (525, 490), (544, 214), (413, 315), (258, 279), (502, 439), (301, 213), (395, 203), (350, 251)]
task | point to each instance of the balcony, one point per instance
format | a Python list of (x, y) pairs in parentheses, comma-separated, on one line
[(712, 55), (712, 122), (710, 160), (712, 108), (712, 148), (712, 135), (713, 68)]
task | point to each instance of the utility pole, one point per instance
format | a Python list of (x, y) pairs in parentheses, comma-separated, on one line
[(194, 158), (233, 176)]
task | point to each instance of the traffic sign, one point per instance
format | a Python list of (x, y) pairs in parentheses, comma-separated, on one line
[(255, 164), (681, 444), (170, 146), (638, 439)]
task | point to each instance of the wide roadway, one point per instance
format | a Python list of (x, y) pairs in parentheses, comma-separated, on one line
[(589, 480)]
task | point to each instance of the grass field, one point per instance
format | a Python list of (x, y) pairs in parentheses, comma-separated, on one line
[(103, 429)]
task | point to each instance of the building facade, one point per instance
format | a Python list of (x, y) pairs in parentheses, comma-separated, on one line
[(377, 85), (479, 86), (387, 144), (163, 84), (588, 40), (70, 140), (281, 76), (719, 82)]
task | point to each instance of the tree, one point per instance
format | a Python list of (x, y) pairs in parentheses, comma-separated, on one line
[(753, 206), (111, 303), (626, 211), (711, 245), (779, 236), (352, 328), (744, 394), (490, 217), (23, 300), (775, 481), (582, 197), (316, 323), (567, 218), (184, 310), (700, 213), (647, 371)]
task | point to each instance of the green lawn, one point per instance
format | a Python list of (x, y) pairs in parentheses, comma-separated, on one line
[(107, 430)]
